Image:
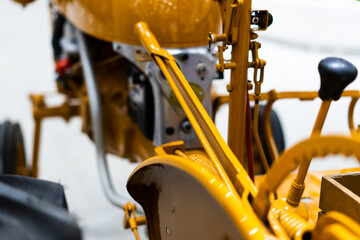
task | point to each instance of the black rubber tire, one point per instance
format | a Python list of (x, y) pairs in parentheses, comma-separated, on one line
[(12, 149), (47, 191), (34, 209), (277, 131)]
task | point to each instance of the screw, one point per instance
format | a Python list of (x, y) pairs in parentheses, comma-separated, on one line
[(169, 130), (186, 126), (201, 69), (184, 57), (255, 20)]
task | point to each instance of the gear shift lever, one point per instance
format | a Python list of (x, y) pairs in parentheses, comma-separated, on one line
[(335, 75)]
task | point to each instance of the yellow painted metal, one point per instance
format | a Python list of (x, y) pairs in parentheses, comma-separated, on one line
[(170, 148), (338, 226), (320, 120), (258, 65), (256, 137), (20, 160), (301, 95), (238, 83), (248, 224), (217, 167), (123, 138), (293, 224), (236, 32), (298, 185), (286, 222), (218, 151), (231, 11), (272, 96), (270, 142), (317, 146), (351, 115), (113, 20), (40, 111), (309, 208), (131, 220)]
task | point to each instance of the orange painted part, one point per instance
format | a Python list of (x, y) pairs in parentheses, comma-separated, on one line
[(176, 23)]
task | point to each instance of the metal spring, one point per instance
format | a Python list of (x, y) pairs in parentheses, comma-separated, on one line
[(204, 162), (294, 225)]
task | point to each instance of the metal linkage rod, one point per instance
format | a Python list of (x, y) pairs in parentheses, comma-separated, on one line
[(96, 117)]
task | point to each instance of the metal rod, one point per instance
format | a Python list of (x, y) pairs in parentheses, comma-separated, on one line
[(351, 115), (227, 165), (319, 123), (249, 150), (257, 137), (35, 157), (97, 121), (238, 83), (298, 184)]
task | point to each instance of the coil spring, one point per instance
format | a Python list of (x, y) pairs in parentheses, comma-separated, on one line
[(294, 225), (204, 162)]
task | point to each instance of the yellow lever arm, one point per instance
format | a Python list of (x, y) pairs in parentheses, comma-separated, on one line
[(218, 151)]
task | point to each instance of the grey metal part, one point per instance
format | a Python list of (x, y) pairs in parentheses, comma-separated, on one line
[(198, 68), (168, 115), (68, 41), (172, 115), (129, 52), (96, 117)]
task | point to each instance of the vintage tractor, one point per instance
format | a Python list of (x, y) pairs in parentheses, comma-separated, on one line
[(139, 74)]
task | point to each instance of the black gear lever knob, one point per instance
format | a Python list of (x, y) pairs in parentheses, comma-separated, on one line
[(335, 74)]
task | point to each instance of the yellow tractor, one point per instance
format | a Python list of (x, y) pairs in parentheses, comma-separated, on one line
[(139, 73)]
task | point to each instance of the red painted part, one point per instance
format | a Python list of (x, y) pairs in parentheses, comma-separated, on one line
[(62, 66), (249, 151)]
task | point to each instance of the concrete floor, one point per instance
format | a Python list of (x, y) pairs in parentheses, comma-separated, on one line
[(68, 157)]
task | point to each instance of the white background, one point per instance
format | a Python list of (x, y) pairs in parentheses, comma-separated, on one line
[(292, 47)]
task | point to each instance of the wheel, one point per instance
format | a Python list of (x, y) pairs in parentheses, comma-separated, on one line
[(34, 209), (278, 134), (12, 150)]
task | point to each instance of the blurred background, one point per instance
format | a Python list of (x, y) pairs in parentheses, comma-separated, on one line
[(303, 33)]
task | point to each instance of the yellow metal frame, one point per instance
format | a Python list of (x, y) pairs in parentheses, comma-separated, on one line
[(272, 96), (238, 208), (317, 146), (219, 165), (336, 226), (40, 111), (225, 162), (283, 216), (114, 20)]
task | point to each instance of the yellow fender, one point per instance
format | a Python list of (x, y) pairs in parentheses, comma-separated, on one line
[(184, 200)]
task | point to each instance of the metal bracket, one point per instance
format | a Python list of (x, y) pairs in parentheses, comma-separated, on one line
[(170, 148), (222, 65), (230, 10), (262, 19), (142, 56), (131, 220), (257, 64)]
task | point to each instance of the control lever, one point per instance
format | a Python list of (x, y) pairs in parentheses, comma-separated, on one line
[(335, 75)]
